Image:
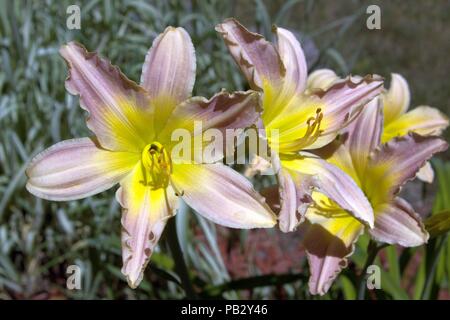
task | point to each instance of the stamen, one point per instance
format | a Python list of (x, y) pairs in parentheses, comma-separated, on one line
[(312, 131), (156, 166), (328, 209)]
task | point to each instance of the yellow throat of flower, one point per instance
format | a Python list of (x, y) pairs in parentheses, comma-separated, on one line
[(293, 139), (156, 165)]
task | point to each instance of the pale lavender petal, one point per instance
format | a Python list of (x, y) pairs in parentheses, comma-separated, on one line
[(295, 197), (398, 223), (258, 165), (398, 160), (222, 195), (119, 110), (169, 67), (321, 79), (328, 253), (344, 100), (168, 73), (223, 111), (363, 135), (426, 173), (75, 169), (144, 216), (422, 120), (396, 99), (293, 58), (236, 111), (257, 58), (291, 198)]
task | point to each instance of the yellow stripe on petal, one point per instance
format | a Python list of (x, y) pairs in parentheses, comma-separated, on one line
[(164, 104), (335, 220), (329, 242), (423, 120), (144, 216), (276, 98), (396, 162), (298, 119), (133, 128)]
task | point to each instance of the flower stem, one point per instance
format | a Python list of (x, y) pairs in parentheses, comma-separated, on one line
[(180, 264), (372, 252)]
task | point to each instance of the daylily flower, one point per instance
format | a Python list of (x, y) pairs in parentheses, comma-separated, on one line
[(398, 121), (132, 146), (304, 120), (380, 170)]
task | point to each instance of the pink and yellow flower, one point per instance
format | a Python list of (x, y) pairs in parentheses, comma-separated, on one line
[(380, 170), (398, 121), (132, 126), (304, 120)]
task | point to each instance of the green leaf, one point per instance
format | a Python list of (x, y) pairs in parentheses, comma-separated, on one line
[(394, 269), (390, 285), (419, 281), (162, 260), (348, 288)]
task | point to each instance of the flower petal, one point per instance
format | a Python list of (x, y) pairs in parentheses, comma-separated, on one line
[(291, 197), (398, 223), (293, 58), (75, 169), (363, 135), (423, 120), (144, 216), (396, 99), (238, 110), (329, 242), (321, 79), (426, 173), (223, 111), (258, 165), (397, 162), (331, 182), (344, 100), (168, 73), (119, 110), (222, 195), (257, 58), (295, 197)]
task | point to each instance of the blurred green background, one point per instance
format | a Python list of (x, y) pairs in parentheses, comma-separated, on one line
[(39, 239)]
